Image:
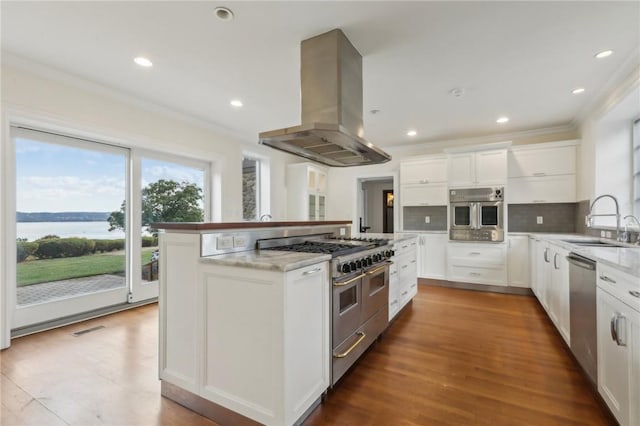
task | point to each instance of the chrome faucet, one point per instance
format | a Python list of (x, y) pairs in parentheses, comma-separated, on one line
[(265, 217), (630, 216), (590, 216)]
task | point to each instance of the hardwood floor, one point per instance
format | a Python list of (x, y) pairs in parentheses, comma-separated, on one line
[(455, 357)]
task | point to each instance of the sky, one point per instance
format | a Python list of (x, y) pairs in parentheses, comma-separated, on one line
[(58, 178)]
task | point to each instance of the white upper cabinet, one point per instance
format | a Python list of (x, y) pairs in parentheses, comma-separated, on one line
[(542, 173), (425, 171), (306, 192), (542, 161), (482, 168), (424, 195)]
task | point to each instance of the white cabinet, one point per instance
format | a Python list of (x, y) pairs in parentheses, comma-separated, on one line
[(558, 291), (545, 189), (406, 263), (306, 194), (542, 173), (424, 195), (432, 256), (543, 272), (518, 260), (424, 182), (425, 171), (618, 335), (478, 263), (533, 261), (541, 160), (482, 168)]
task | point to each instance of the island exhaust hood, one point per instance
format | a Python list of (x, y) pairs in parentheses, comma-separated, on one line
[(331, 132)]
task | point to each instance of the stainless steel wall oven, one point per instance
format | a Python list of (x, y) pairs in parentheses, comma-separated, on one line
[(476, 214)]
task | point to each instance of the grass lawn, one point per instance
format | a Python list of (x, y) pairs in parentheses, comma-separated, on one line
[(39, 271)]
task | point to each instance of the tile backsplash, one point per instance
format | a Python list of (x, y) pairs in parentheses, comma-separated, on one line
[(556, 217), (414, 218)]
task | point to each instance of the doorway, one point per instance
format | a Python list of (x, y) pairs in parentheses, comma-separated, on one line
[(376, 204)]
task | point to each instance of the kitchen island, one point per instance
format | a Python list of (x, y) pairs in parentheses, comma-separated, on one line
[(244, 333)]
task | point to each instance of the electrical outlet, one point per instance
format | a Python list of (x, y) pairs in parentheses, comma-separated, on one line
[(427, 219), (240, 241), (224, 243), (603, 234), (608, 233), (343, 231), (539, 220)]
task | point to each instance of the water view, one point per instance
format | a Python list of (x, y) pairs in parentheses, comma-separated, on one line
[(91, 230)]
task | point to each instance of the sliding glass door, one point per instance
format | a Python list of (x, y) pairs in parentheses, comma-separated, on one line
[(69, 260)]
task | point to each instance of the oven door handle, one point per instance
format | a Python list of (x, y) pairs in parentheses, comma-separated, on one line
[(348, 351), (347, 282), (378, 269)]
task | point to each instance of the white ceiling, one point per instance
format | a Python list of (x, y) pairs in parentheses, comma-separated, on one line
[(519, 59)]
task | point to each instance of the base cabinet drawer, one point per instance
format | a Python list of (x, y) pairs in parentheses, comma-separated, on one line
[(470, 274)]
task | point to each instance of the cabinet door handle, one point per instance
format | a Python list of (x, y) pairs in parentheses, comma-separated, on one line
[(313, 271), (348, 351), (634, 293), (619, 336), (404, 293), (607, 279), (612, 327), (539, 174), (546, 259), (555, 261), (475, 253)]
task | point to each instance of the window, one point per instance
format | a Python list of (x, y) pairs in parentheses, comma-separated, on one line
[(636, 167), (250, 188)]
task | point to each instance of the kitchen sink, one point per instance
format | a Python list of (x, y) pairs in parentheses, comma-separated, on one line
[(593, 243)]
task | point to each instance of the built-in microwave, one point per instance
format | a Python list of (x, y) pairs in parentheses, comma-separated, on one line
[(477, 214)]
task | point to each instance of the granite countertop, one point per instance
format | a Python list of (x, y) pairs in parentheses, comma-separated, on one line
[(625, 258), (271, 260)]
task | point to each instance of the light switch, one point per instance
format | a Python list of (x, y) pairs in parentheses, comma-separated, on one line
[(427, 219), (539, 220), (343, 231), (240, 241)]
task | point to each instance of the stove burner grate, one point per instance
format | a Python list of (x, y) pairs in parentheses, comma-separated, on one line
[(335, 249)]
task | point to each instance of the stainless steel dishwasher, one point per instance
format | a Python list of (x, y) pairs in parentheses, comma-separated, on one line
[(582, 308)]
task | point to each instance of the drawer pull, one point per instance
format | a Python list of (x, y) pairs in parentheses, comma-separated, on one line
[(313, 271), (404, 293), (348, 351), (539, 201), (394, 302), (539, 174), (607, 279), (475, 274), (405, 266), (634, 293), (413, 285)]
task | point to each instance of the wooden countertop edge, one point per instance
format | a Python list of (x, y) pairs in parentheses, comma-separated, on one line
[(205, 226)]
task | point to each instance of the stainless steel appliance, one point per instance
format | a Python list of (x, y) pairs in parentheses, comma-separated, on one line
[(331, 92), (360, 293), (582, 313), (476, 214)]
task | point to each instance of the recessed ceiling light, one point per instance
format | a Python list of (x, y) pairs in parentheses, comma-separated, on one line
[(502, 120), (236, 103), (604, 54), (223, 13), (143, 62), (578, 90), (411, 133)]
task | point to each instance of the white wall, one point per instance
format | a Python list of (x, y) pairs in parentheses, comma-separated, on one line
[(53, 100), (605, 158)]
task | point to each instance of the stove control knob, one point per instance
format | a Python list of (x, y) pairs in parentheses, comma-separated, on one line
[(393, 253), (353, 266), (358, 263), (345, 268), (376, 258), (387, 253), (369, 261)]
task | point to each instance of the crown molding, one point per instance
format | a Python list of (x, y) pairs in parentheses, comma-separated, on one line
[(621, 83), (55, 74), (486, 139)]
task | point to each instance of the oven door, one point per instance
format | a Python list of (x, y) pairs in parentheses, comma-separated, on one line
[(490, 215), (375, 290), (347, 307), (464, 216)]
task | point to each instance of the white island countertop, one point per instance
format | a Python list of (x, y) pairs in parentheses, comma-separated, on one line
[(271, 260)]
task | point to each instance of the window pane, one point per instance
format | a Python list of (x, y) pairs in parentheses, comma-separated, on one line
[(171, 192), (249, 189), (66, 195)]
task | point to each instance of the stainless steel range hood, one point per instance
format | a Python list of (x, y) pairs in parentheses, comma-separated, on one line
[(331, 131)]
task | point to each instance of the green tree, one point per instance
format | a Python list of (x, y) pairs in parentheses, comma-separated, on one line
[(165, 201)]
